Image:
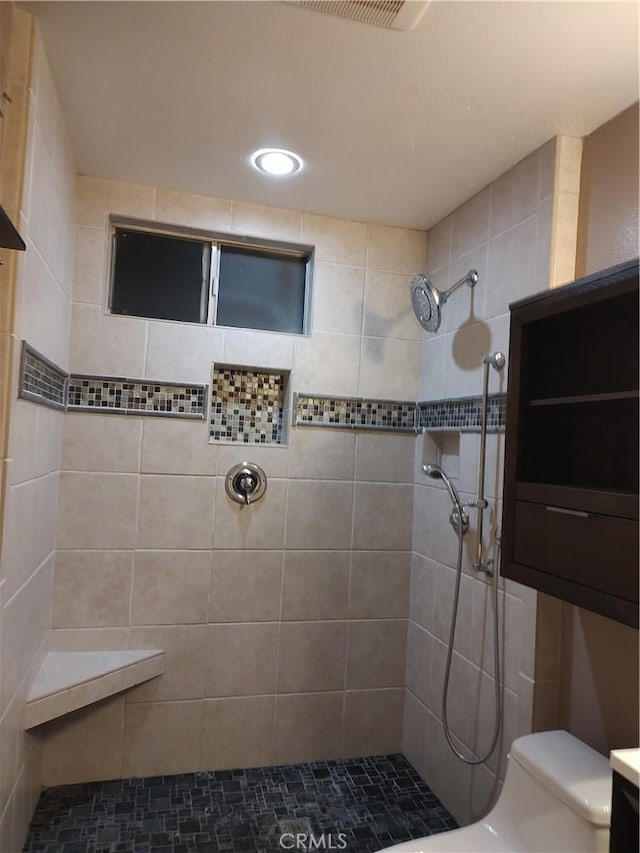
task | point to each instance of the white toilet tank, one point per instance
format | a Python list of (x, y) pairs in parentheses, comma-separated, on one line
[(556, 796)]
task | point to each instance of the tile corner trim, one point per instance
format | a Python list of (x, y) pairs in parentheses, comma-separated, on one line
[(40, 380)]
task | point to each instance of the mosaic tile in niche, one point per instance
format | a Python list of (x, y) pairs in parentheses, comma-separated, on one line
[(247, 405)]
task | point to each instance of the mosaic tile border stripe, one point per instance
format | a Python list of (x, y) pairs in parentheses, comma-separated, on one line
[(121, 396), (317, 410), (463, 414), (460, 414), (247, 405), (41, 381)]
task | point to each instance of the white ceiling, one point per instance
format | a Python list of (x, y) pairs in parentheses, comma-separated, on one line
[(395, 127)]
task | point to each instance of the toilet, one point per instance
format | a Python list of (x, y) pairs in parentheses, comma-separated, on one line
[(556, 798)]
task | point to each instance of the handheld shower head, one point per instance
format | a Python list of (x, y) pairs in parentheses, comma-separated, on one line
[(438, 473), (427, 300)]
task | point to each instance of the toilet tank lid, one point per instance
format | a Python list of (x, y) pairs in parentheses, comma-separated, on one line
[(575, 773)]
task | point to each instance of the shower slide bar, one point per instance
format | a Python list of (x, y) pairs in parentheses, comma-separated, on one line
[(497, 361)]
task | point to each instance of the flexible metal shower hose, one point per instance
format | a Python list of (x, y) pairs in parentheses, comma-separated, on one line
[(496, 659)]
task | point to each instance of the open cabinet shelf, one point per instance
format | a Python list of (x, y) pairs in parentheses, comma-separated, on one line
[(571, 470)]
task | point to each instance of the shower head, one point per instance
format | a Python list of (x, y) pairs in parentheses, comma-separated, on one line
[(427, 300), (438, 473)]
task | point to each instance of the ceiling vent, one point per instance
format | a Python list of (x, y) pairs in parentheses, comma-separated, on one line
[(392, 14)]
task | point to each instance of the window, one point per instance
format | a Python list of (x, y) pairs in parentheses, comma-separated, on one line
[(221, 280)]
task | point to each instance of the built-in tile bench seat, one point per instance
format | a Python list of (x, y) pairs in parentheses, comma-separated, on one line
[(71, 680)]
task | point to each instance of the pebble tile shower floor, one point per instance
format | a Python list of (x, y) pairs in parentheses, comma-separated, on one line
[(373, 802)]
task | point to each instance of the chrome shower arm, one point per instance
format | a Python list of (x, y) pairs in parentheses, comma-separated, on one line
[(471, 278)]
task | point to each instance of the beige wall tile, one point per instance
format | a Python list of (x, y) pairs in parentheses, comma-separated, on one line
[(431, 384), (241, 659), (316, 585), (319, 515), (237, 733), (170, 587), (182, 352), (327, 364), (421, 600), (173, 446), (43, 312), (90, 266), (245, 586), (484, 792), (49, 440), (387, 307), (106, 345), (193, 211), (94, 442), (250, 348), (418, 673), (337, 240), (385, 458), (97, 197), (376, 653), (322, 454), (273, 460), (415, 728), (163, 737), (389, 368), (88, 639), (338, 295), (382, 517), (92, 588), (256, 220), (22, 442), (175, 512), (379, 585), (308, 727), (97, 510), (311, 656), (514, 195), (85, 746), (433, 537), (471, 223), (257, 526), (11, 731), (184, 648), (439, 239), (468, 305), (512, 615), (399, 250), (373, 722)]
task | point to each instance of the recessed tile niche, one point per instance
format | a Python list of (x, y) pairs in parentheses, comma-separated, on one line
[(248, 405)]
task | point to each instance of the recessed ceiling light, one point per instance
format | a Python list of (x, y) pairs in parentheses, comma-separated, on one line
[(276, 161)]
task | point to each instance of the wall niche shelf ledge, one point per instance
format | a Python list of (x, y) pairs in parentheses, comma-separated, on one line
[(67, 681)]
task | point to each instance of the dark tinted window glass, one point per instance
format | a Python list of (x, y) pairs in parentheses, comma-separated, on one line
[(258, 290), (158, 276)]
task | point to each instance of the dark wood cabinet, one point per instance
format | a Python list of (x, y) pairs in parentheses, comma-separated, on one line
[(570, 517)]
